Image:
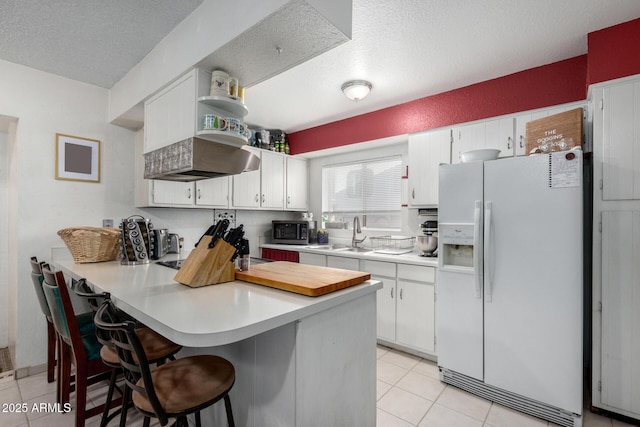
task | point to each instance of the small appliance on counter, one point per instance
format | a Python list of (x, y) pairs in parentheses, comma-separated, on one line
[(291, 232), (313, 231), (175, 243), (428, 242), (137, 240), (160, 244)]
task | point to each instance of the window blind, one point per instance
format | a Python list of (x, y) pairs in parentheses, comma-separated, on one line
[(370, 189)]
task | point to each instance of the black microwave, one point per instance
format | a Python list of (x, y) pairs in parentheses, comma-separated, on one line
[(290, 232)]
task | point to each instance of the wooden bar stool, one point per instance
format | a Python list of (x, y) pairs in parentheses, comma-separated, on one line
[(156, 348), (175, 389), (85, 324), (36, 278), (80, 350)]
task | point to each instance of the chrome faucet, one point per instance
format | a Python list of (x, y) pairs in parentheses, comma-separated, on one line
[(356, 229)]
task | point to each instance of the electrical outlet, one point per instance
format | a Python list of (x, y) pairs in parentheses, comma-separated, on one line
[(107, 223), (229, 215)]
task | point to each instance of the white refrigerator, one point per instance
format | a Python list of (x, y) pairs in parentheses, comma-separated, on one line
[(510, 282)]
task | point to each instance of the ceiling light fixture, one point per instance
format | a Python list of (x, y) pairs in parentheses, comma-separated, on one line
[(356, 90)]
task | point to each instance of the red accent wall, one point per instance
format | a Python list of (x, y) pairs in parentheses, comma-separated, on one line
[(551, 84), (614, 52)]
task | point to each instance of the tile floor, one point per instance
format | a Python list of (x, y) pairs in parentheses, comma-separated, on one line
[(409, 393)]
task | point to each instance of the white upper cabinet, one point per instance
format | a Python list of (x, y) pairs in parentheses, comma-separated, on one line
[(176, 113), (170, 115), (173, 193), (495, 133), (427, 150), (499, 133), (263, 188), (620, 141), (297, 176), (213, 192), (272, 180), (466, 138), (246, 187)]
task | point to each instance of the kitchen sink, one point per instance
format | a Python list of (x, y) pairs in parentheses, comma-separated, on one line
[(327, 247), (350, 249)]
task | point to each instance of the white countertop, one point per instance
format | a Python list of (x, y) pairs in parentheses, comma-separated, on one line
[(408, 258), (207, 316)]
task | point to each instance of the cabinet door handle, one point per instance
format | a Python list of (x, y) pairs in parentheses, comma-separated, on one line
[(413, 193), (199, 194), (521, 141), (400, 293), (263, 198), (392, 293), (288, 200), (509, 143), (257, 198), (188, 193)]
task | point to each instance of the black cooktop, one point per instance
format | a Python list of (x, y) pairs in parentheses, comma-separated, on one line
[(172, 264)]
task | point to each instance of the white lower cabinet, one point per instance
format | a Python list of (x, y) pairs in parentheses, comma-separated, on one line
[(415, 315), (313, 259), (343, 262), (406, 305)]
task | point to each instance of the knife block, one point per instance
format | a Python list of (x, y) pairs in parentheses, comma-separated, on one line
[(206, 266)]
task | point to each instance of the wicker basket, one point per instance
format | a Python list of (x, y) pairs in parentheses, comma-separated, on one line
[(91, 244)]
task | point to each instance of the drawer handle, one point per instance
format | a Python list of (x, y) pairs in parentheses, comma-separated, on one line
[(400, 293)]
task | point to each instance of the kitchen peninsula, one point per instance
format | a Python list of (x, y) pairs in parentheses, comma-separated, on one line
[(299, 360)]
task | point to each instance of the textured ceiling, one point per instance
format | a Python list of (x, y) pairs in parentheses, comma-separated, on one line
[(407, 49), (93, 41)]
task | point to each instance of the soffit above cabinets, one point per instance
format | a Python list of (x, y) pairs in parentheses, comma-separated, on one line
[(292, 35)]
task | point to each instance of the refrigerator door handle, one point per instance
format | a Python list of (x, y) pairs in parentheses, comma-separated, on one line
[(477, 259), (488, 206)]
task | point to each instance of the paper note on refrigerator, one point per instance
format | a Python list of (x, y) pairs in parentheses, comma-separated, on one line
[(564, 169)]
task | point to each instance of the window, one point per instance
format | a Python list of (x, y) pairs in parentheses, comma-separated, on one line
[(369, 189)]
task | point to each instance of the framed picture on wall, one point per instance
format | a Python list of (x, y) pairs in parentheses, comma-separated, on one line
[(77, 159)]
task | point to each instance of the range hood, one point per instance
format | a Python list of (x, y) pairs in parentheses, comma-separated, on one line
[(194, 159)]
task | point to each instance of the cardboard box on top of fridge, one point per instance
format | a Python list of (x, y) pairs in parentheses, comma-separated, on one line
[(559, 132)]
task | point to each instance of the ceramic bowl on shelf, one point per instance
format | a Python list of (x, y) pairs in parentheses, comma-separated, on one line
[(479, 155)]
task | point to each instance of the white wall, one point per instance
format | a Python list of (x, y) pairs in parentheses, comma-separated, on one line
[(4, 302), (410, 219), (39, 205)]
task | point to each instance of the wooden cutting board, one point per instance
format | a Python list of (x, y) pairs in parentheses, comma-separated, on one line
[(310, 280)]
